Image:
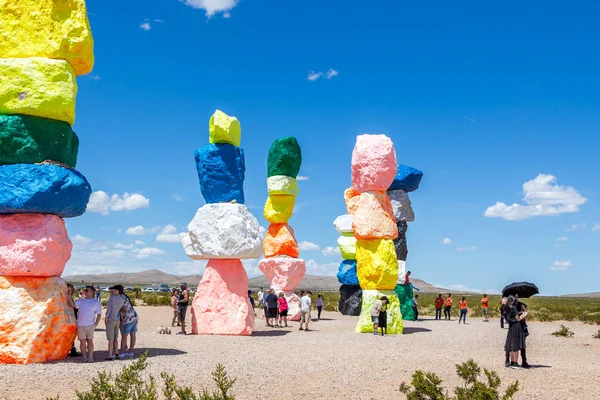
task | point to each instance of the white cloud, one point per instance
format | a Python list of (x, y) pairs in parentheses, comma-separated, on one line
[(301, 178), (169, 235), (212, 7), (102, 203), (331, 251), (327, 269), (139, 243), (576, 227), (446, 241), (150, 251), (467, 248), (562, 239), (140, 230), (160, 21), (313, 76), (145, 26), (596, 227), (94, 77), (176, 197), (560, 265), (80, 240), (262, 232), (331, 73), (308, 246), (124, 246), (542, 197)]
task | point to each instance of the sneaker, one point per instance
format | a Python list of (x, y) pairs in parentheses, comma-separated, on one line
[(514, 366), (507, 364), (91, 360), (181, 333), (525, 365), (375, 334), (84, 358), (301, 329)]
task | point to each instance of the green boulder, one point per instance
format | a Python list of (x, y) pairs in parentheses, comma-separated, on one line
[(285, 157), (25, 139), (405, 294)]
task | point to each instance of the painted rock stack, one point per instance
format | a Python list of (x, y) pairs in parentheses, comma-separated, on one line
[(373, 171), (281, 264), (44, 45), (407, 180), (223, 231), (350, 291)]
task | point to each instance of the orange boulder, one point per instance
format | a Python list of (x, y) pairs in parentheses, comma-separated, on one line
[(280, 241), (351, 198), (374, 217), (36, 323)]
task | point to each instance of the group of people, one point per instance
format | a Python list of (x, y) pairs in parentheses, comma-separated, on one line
[(120, 317), (180, 299), (446, 305), (276, 307)]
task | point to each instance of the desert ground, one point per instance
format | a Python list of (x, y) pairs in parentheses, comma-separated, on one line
[(332, 361)]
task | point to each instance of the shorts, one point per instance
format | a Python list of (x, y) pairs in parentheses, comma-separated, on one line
[(86, 332), (181, 310), (305, 316), (485, 311), (131, 327), (112, 330), (375, 320), (271, 313), (283, 313)]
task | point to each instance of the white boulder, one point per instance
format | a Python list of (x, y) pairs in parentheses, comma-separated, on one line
[(223, 231), (401, 272), (343, 223)]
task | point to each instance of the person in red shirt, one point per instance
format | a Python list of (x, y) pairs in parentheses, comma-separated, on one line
[(439, 304), (463, 310), (484, 307)]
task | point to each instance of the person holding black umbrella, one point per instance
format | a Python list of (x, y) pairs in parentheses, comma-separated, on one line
[(521, 308), (515, 339)]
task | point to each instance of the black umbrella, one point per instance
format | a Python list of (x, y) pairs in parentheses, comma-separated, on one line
[(523, 289)]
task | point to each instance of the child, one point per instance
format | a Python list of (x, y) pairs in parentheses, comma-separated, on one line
[(383, 318), (283, 309), (463, 310), (174, 306)]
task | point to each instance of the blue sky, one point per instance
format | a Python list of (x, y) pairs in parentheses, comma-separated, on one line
[(482, 97)]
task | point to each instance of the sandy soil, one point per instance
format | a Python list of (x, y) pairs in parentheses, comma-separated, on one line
[(332, 361)]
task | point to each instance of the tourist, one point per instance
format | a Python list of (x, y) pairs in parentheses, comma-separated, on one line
[(484, 307), (283, 309), (382, 320), (251, 299), (319, 304), (112, 320), (129, 323), (71, 292), (175, 307), (521, 308), (88, 316), (98, 293), (407, 278), (375, 310), (305, 303), (448, 307), (261, 297), (439, 304), (272, 303), (415, 307), (515, 339), (463, 310), (503, 309), (182, 305)]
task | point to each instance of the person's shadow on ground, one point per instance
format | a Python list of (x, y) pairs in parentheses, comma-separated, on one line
[(409, 330), (272, 333)]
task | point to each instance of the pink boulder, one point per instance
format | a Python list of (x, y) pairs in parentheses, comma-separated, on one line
[(36, 322), (284, 273), (33, 245), (221, 305), (373, 163), (374, 217)]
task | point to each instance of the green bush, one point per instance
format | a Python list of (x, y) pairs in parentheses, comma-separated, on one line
[(428, 386), (129, 384), (564, 332)]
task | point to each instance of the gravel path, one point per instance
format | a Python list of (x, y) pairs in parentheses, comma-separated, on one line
[(332, 361)]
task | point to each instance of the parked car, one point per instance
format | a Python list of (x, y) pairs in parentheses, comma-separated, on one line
[(129, 289), (104, 289)]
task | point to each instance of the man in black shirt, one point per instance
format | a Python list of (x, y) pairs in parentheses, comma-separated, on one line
[(272, 303)]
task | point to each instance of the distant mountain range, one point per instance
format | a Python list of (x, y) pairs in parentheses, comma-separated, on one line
[(155, 276)]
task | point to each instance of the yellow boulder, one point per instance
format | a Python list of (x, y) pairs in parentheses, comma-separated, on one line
[(224, 129), (377, 267), (41, 87), (57, 29), (279, 208), (347, 244), (394, 315)]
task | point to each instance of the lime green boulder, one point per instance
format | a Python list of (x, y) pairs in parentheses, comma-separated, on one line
[(405, 294), (26, 139), (394, 316), (285, 157), (224, 129)]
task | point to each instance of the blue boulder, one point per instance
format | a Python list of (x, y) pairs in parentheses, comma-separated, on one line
[(221, 171), (43, 188), (347, 273), (407, 178)]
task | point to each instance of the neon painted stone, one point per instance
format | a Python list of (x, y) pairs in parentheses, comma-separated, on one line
[(347, 273), (224, 129), (374, 217), (280, 241), (36, 323), (285, 157), (394, 315), (377, 267), (351, 198), (350, 300), (38, 86), (373, 163), (221, 172), (282, 185), (279, 208), (347, 245), (407, 178), (284, 273)]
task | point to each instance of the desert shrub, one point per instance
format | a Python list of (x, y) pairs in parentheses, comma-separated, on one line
[(104, 302), (130, 384), (597, 335), (542, 315), (564, 331), (428, 386)]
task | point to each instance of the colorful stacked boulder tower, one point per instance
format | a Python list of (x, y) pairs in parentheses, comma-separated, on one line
[(373, 171), (350, 291), (407, 180), (223, 231), (44, 45), (281, 264)]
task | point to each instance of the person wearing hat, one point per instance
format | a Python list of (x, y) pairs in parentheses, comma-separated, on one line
[(112, 320), (375, 310), (182, 305)]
